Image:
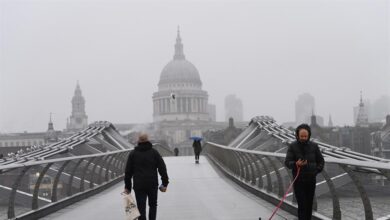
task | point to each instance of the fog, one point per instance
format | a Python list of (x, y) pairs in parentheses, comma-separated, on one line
[(265, 52)]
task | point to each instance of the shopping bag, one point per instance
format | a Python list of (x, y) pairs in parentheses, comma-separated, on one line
[(131, 210)]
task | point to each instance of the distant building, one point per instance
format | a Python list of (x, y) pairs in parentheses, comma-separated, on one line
[(319, 120), (376, 111), (224, 136), (359, 139), (379, 109), (78, 119), (380, 141), (317, 130), (304, 108), (367, 109), (13, 142), (330, 122), (26, 139), (51, 135), (212, 109), (362, 115), (180, 95), (289, 124), (180, 106), (380, 146), (233, 108)]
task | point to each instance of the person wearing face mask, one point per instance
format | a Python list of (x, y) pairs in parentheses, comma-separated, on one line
[(307, 156)]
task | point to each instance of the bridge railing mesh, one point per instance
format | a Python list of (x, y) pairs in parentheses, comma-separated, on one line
[(346, 188)]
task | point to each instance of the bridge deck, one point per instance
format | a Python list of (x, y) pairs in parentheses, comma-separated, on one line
[(196, 191)]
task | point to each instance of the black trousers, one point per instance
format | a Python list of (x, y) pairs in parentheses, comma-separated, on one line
[(197, 156), (304, 192), (141, 195)]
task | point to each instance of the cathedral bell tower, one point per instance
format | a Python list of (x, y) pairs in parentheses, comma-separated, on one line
[(78, 120)]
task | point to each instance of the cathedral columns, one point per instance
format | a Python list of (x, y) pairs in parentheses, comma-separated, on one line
[(185, 105), (189, 105), (168, 104), (196, 104), (178, 104), (172, 103), (154, 107)]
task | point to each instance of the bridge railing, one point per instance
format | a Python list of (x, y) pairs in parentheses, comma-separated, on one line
[(264, 174), (164, 150), (49, 185)]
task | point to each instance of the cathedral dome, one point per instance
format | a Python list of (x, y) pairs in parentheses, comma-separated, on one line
[(179, 70)]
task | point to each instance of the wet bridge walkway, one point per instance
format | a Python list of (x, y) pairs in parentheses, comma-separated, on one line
[(196, 191)]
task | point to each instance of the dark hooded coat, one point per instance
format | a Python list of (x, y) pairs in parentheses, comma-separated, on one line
[(197, 147), (142, 165), (306, 151)]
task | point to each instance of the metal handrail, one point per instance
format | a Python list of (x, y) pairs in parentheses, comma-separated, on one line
[(32, 163), (82, 163), (73, 173), (243, 166), (351, 162)]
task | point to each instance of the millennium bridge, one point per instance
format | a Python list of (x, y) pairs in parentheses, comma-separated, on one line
[(81, 177)]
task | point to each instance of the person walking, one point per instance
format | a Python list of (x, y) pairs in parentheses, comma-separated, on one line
[(142, 166), (304, 155), (197, 149)]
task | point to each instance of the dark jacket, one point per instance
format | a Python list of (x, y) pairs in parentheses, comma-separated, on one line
[(197, 147), (306, 151), (142, 165)]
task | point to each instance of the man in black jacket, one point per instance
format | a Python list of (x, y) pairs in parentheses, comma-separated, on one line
[(307, 156), (142, 165)]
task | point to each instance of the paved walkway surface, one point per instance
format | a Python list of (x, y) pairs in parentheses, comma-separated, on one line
[(196, 191)]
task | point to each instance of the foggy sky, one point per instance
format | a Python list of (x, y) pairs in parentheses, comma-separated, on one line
[(265, 52)]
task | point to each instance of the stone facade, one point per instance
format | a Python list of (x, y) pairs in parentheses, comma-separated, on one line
[(180, 106)]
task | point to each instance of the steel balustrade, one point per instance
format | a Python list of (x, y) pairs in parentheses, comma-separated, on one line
[(62, 163), (244, 166), (57, 173)]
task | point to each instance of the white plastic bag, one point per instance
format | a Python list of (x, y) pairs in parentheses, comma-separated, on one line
[(131, 210)]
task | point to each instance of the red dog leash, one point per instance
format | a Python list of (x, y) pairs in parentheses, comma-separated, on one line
[(285, 195)]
